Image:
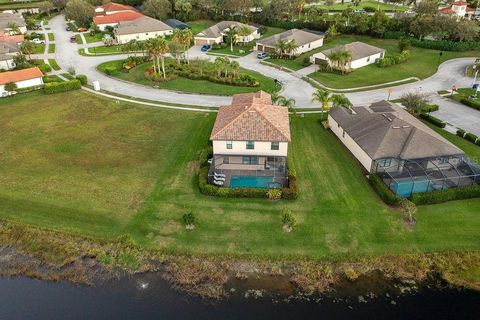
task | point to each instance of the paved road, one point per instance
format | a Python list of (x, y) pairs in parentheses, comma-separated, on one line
[(457, 115)]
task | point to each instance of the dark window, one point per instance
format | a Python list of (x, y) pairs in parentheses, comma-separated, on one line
[(229, 144), (250, 160), (385, 163), (275, 146), (343, 134), (226, 159), (250, 145)]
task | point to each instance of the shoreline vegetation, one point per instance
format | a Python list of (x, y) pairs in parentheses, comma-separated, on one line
[(146, 179)]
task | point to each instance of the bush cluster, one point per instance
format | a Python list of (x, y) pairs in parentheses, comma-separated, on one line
[(47, 79), (82, 78), (468, 136), (430, 108), (461, 133), (393, 60), (57, 87), (443, 45), (44, 68), (470, 103), (440, 196), (383, 191), (471, 137), (433, 120)]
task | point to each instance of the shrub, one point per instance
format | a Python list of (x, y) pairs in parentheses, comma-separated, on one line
[(471, 137), (386, 62), (430, 108), (274, 194), (306, 61), (188, 219), (461, 133), (45, 68), (82, 78), (433, 120), (397, 59), (383, 191), (47, 79), (404, 44), (440, 196), (110, 70), (287, 218), (57, 87), (470, 103), (291, 192), (369, 9)]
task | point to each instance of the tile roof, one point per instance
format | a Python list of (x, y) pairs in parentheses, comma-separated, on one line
[(7, 18), (252, 116), (140, 25), (20, 75), (358, 50), (6, 47), (301, 37), (216, 30), (386, 130), (117, 17), (112, 6), (11, 38)]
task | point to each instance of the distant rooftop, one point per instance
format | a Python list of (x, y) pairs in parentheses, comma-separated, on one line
[(301, 37)]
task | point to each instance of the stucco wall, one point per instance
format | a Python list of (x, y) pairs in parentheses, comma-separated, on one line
[(102, 26), (366, 61), (124, 38), (262, 148), (354, 148), (301, 49), (23, 84), (7, 64)]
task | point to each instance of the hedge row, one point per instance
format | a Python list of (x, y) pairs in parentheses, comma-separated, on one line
[(430, 108), (383, 191), (57, 87), (82, 78), (470, 103), (433, 120), (468, 136), (444, 45), (440, 196)]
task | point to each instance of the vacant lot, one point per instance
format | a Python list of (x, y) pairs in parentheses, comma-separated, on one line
[(89, 166)]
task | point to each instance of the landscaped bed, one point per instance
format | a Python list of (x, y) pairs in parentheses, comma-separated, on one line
[(146, 179), (180, 83)]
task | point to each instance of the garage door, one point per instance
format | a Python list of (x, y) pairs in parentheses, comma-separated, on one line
[(259, 47), (200, 42)]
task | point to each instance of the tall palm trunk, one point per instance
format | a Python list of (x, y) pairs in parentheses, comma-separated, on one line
[(163, 67)]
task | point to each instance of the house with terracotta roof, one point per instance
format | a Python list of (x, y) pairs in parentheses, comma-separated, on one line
[(112, 20), (407, 155), (112, 8), (458, 8), (22, 78), (250, 141)]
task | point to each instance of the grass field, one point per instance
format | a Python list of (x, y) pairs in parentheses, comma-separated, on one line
[(86, 165), (51, 48), (53, 63), (200, 25), (40, 48), (10, 5), (187, 85), (51, 37)]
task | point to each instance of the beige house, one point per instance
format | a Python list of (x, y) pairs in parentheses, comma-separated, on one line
[(362, 55), (250, 143), (7, 19), (140, 29), (459, 9), (8, 51), (216, 33), (305, 41), (408, 155)]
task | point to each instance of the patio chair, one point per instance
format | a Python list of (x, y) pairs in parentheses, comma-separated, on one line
[(219, 178), (218, 182), (219, 175)]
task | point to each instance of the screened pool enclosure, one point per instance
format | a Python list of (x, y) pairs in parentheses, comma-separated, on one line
[(405, 177)]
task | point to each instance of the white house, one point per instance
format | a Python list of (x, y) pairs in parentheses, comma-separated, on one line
[(250, 142), (113, 8), (304, 39), (8, 19), (140, 29), (458, 8), (362, 55), (112, 20), (22, 78), (8, 51), (216, 33)]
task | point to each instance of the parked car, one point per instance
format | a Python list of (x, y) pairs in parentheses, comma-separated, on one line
[(73, 39), (38, 41), (205, 47), (82, 29), (68, 28), (262, 55), (359, 11)]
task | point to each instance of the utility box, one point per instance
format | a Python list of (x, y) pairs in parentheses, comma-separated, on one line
[(96, 85)]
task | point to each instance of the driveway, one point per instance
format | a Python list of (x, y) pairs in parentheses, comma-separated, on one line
[(457, 115)]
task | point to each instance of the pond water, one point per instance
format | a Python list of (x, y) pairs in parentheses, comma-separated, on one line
[(150, 297)]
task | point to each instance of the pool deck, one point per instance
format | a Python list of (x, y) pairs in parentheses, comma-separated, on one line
[(280, 176)]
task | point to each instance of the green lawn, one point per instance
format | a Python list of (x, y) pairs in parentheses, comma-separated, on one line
[(97, 37), (51, 48), (10, 5), (51, 37), (40, 48), (200, 25), (363, 4), (187, 85), (53, 63), (52, 176)]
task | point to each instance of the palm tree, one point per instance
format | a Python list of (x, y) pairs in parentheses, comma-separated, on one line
[(276, 98), (178, 41), (235, 67), (340, 100), (244, 31), (291, 48), (28, 48), (158, 47), (187, 39), (341, 59), (281, 46), (231, 35), (14, 29), (289, 103), (218, 66), (325, 98), (226, 64)]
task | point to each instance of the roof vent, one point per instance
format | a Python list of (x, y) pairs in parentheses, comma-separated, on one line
[(396, 127), (405, 126), (387, 117)]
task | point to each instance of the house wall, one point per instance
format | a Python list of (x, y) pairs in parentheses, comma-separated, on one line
[(301, 49), (366, 61), (354, 148), (200, 41), (7, 64), (22, 84), (124, 38), (262, 148), (235, 163)]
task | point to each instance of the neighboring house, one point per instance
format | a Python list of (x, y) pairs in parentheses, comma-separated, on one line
[(8, 51), (142, 28), (408, 155), (216, 33), (305, 41), (23, 78), (15, 39), (113, 8), (112, 20), (458, 8), (362, 55), (250, 142), (177, 24), (7, 19)]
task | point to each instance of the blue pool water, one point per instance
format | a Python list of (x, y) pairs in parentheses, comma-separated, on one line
[(252, 182), (406, 188)]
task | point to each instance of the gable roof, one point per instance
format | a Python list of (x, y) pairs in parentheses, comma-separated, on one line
[(20, 75), (216, 30), (7, 18), (358, 50), (252, 116), (113, 6), (140, 25), (6, 47), (6, 38), (117, 17), (301, 37), (385, 130)]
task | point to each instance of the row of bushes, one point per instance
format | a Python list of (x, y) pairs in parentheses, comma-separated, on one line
[(468, 136), (433, 120), (470, 103), (430, 108), (444, 45), (393, 60), (440, 196), (383, 191), (57, 87)]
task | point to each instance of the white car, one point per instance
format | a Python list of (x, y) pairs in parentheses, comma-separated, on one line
[(38, 41)]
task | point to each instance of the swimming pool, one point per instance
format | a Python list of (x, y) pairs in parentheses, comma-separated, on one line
[(253, 182), (406, 188)]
